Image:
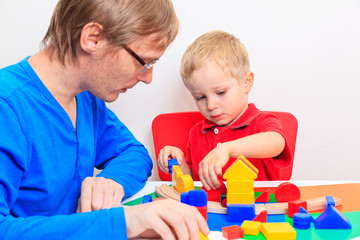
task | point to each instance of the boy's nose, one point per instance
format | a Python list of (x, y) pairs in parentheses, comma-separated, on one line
[(211, 104)]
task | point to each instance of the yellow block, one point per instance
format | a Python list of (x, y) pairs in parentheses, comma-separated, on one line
[(278, 231), (176, 172), (240, 186), (241, 169), (203, 237), (184, 183), (251, 227), (240, 198)]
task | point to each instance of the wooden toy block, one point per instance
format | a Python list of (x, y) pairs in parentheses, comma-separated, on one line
[(233, 232), (171, 163), (320, 203), (251, 227), (197, 198), (240, 186), (215, 195), (184, 183), (286, 192), (203, 236), (331, 218), (259, 208), (176, 172), (261, 217), (264, 197), (240, 212), (278, 231), (241, 169), (147, 199), (293, 206)]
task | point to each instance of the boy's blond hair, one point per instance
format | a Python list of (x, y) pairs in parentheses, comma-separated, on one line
[(124, 21), (223, 48)]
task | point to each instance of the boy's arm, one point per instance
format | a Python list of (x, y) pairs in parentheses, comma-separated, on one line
[(259, 145)]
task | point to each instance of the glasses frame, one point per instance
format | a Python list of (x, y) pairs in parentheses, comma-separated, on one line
[(142, 62)]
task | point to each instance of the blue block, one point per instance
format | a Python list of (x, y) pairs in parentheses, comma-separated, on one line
[(171, 163), (302, 220), (146, 199), (197, 198), (240, 212), (331, 218), (330, 201)]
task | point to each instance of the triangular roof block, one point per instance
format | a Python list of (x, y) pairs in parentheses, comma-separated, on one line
[(241, 169), (331, 218)]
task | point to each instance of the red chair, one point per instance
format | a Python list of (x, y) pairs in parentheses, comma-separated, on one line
[(173, 129)]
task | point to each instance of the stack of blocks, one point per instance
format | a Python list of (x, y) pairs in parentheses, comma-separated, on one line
[(240, 178)]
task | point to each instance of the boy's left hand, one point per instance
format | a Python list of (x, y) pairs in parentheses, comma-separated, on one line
[(210, 168)]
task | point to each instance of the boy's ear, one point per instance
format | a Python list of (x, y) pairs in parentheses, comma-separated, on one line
[(91, 36), (248, 81)]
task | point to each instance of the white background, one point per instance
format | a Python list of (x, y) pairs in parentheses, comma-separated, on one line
[(305, 56)]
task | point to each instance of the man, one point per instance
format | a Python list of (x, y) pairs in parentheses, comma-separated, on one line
[(55, 128)]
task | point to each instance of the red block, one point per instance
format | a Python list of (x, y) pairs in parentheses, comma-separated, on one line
[(262, 217), (203, 211), (233, 232), (215, 195), (264, 197), (293, 207), (287, 192)]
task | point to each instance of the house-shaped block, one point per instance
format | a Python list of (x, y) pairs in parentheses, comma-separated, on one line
[(240, 178)]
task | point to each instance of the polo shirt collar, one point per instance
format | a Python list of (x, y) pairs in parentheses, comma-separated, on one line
[(244, 120)]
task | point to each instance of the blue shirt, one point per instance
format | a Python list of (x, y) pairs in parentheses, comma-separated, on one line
[(43, 161)]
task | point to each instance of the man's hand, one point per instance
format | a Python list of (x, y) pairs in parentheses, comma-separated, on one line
[(167, 219), (99, 193)]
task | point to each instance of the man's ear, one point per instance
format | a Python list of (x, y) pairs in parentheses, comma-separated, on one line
[(91, 35), (248, 81)]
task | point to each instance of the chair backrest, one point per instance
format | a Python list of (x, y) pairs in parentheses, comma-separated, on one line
[(173, 129)]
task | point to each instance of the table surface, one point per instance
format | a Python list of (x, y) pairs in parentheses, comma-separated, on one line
[(150, 185)]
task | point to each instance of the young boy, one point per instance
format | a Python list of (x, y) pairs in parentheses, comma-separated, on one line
[(215, 69)]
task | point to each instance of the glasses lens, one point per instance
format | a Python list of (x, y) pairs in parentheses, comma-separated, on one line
[(149, 65)]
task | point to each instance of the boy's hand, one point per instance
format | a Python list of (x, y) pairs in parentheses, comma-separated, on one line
[(167, 219), (210, 168), (169, 152)]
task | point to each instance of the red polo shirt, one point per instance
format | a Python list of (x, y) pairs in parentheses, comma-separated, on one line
[(205, 136)]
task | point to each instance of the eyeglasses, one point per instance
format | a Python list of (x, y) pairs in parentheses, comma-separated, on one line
[(146, 65)]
